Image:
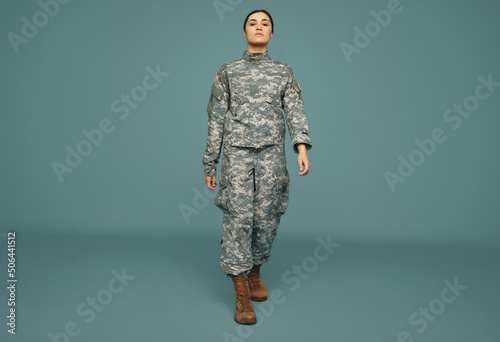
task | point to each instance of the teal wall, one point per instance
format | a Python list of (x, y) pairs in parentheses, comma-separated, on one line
[(365, 110)]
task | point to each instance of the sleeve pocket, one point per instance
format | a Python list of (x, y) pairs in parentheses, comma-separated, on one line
[(216, 91)]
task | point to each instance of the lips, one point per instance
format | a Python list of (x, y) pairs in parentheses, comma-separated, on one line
[(259, 34)]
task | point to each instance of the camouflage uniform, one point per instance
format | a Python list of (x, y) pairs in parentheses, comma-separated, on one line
[(245, 115)]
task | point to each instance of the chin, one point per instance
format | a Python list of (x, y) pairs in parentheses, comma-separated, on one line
[(259, 42)]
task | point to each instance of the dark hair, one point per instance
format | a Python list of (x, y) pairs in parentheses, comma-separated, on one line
[(255, 11)]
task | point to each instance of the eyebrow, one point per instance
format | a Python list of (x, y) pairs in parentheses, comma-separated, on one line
[(256, 19)]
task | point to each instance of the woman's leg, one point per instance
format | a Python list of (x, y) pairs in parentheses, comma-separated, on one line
[(235, 199), (270, 199)]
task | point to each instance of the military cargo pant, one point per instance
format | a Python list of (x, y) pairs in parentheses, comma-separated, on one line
[(253, 195)]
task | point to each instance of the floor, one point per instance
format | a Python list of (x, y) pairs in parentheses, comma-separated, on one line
[(85, 288)]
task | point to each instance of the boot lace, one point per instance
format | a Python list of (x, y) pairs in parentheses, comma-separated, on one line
[(243, 294), (254, 277)]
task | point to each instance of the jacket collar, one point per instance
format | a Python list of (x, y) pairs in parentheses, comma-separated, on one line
[(255, 56)]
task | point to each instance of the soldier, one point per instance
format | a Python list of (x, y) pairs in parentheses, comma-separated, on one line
[(245, 117)]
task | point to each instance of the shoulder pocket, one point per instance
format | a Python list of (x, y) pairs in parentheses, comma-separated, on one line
[(297, 88), (216, 91)]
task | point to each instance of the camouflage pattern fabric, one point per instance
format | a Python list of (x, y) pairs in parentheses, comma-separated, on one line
[(253, 194), (245, 118), (246, 105)]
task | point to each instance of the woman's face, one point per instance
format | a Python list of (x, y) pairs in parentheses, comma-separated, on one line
[(258, 29)]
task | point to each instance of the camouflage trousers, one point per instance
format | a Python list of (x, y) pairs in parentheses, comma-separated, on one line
[(253, 194)]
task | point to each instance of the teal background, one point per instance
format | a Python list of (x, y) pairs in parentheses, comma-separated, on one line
[(123, 205)]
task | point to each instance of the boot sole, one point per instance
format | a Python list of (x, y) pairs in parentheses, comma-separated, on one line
[(246, 321), (259, 299)]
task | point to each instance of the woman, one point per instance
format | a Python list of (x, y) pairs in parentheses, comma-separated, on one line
[(245, 115)]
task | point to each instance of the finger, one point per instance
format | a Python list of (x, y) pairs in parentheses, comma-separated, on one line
[(210, 181), (306, 168), (299, 161)]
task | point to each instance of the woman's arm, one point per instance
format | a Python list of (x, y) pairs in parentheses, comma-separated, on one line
[(296, 121), (295, 116), (217, 107)]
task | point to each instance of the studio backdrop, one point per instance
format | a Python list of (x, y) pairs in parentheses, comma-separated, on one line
[(104, 118)]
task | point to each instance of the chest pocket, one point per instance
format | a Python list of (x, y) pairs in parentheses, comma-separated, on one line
[(276, 83), (239, 87), (274, 103)]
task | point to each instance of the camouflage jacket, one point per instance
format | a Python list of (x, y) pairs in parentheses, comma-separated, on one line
[(246, 107)]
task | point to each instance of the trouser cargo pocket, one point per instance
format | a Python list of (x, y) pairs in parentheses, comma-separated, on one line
[(221, 199), (282, 204)]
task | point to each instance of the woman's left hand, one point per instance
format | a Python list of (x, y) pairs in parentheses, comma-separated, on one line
[(303, 160)]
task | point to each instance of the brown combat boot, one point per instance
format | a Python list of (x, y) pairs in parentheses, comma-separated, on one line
[(243, 312), (257, 290)]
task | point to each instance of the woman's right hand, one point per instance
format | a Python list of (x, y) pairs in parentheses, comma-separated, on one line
[(211, 183)]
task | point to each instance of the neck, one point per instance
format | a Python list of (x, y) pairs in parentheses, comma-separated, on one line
[(256, 49), (255, 57)]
